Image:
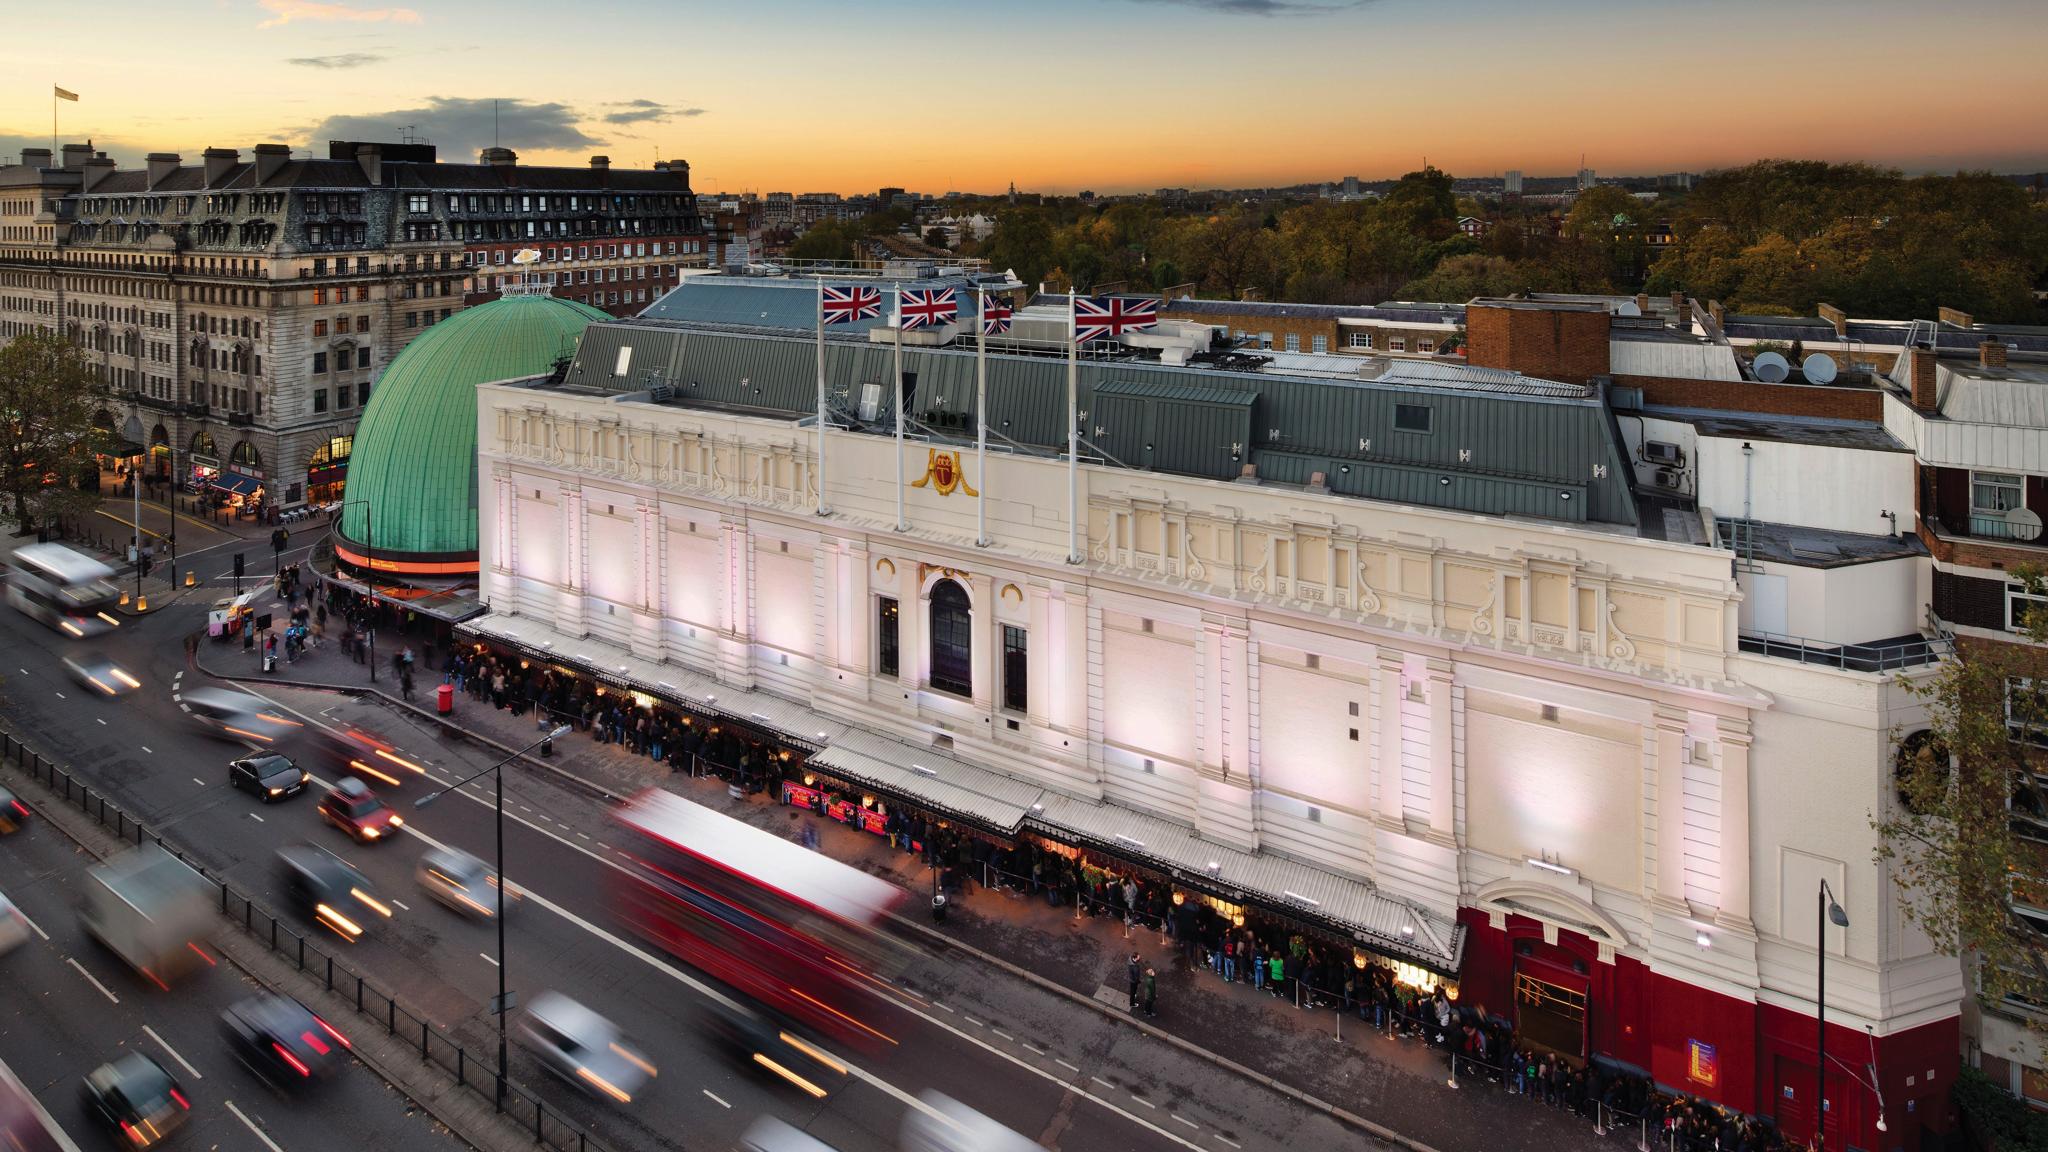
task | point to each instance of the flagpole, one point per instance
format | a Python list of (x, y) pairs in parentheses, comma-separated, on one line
[(1073, 431), (981, 418), (823, 508), (896, 386)]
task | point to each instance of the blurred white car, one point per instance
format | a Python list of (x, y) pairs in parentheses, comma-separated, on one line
[(583, 1048), (99, 672), (946, 1125), (13, 926), (463, 883), (771, 1135)]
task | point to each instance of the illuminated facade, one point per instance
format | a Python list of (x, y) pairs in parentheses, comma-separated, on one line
[(1544, 731)]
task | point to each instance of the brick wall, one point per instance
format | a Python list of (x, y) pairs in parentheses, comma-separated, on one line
[(1306, 328), (1554, 344), (1748, 396), (1970, 601)]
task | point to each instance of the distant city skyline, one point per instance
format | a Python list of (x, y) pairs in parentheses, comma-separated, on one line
[(800, 95)]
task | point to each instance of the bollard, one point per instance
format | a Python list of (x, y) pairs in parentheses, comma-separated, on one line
[(423, 1042), (461, 1067), (330, 973), (359, 994), (1599, 1118), (302, 948), (1643, 1138), (391, 1021)]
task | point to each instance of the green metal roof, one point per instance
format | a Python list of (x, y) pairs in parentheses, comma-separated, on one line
[(414, 463), (1494, 443)]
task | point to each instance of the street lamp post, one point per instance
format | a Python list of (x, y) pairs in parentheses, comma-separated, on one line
[(1825, 910), (499, 769)]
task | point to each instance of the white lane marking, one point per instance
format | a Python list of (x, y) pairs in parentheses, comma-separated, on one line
[(1003, 1034), (24, 671), (942, 1007), (1101, 1081), (488, 960), (1229, 1141), (400, 905), (61, 696), (714, 1097), (184, 707), (1033, 1048), (33, 926), (911, 994), (1067, 1066), (251, 1125), (1185, 1120), (177, 696), (166, 1046), (92, 980), (258, 819), (971, 1020), (198, 781), (102, 723), (1145, 1102), (148, 749), (583, 836)]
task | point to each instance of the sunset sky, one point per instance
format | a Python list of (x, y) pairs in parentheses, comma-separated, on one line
[(1113, 95)]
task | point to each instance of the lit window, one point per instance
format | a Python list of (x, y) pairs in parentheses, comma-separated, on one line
[(886, 663)]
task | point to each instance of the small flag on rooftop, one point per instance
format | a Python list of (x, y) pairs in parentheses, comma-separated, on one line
[(927, 307), (65, 94), (1098, 316), (995, 316), (846, 305)]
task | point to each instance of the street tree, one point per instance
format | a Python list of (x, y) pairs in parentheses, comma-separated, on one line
[(1967, 838), (48, 394)]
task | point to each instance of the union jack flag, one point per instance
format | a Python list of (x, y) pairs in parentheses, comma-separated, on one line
[(927, 307), (1098, 316), (846, 305), (995, 316)]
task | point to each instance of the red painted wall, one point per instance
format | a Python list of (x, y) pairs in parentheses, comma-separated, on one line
[(1649, 1020)]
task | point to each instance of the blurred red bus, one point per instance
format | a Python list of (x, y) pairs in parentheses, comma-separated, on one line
[(797, 932)]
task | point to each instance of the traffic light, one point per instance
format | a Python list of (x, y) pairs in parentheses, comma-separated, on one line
[(278, 539), (238, 565)]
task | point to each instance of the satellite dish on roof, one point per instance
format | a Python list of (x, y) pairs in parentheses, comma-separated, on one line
[(1818, 368), (526, 256), (1771, 368), (1628, 308), (2023, 522)]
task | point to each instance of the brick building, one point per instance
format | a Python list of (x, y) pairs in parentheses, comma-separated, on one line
[(241, 309)]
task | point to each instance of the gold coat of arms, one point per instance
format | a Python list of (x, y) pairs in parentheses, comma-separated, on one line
[(942, 472)]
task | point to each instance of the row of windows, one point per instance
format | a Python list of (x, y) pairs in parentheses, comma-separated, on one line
[(413, 319), (345, 396), (580, 252), (950, 628), (422, 203), (341, 325), (344, 359), (1320, 344)]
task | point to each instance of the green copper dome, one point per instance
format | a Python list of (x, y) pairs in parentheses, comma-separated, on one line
[(414, 459)]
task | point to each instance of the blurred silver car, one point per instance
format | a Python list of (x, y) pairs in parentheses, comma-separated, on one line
[(944, 1124), (13, 926), (463, 883), (583, 1048), (99, 672), (771, 1135)]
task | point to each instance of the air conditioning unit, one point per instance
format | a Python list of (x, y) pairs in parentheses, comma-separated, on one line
[(1662, 452), (1670, 478)]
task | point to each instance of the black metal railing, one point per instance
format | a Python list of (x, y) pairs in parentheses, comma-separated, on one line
[(1886, 656), (549, 1126)]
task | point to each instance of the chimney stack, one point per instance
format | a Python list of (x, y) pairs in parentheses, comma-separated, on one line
[(1991, 353), (35, 157), (95, 170), (499, 157), (1836, 317), (269, 159), (75, 156), (370, 158), (600, 163), (1924, 378), (160, 166), (1684, 304), (1643, 303), (219, 162)]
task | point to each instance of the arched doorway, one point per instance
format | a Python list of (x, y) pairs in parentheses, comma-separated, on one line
[(952, 639), (160, 452), (246, 456)]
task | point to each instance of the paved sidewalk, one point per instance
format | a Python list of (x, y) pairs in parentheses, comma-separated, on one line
[(1343, 1064)]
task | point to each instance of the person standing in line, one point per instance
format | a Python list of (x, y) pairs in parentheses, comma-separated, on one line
[(1134, 971), (1151, 992)]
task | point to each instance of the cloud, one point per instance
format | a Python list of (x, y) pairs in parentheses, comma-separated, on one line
[(645, 112), (284, 12), (460, 125), (1264, 7), (338, 60)]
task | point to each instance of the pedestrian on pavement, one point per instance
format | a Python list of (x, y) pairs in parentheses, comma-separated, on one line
[(1134, 970), (1151, 992), (405, 683), (1276, 974)]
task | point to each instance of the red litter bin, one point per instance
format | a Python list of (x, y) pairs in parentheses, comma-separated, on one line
[(444, 699)]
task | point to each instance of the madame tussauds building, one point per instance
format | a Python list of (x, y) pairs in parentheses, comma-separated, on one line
[(1393, 649)]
